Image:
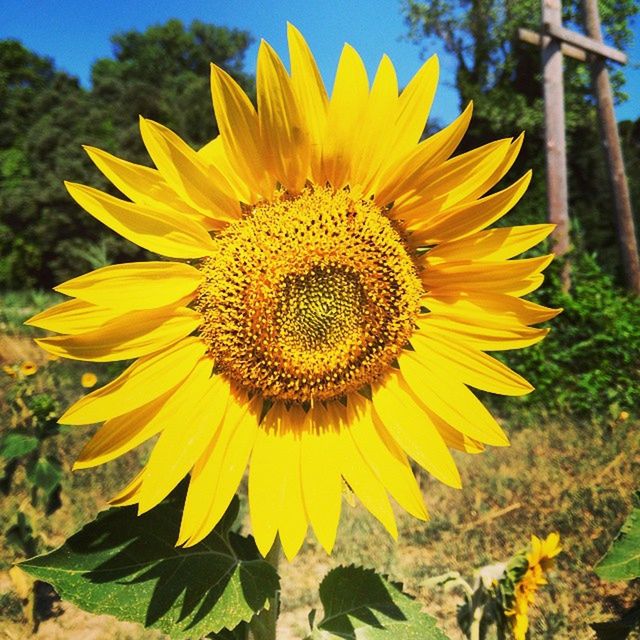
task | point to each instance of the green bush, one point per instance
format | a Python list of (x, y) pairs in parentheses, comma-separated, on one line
[(589, 364)]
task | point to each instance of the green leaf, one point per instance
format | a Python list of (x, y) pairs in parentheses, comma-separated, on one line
[(359, 604), (45, 473), (127, 566), (16, 445), (622, 560)]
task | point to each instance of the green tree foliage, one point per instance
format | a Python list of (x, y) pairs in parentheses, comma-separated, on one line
[(503, 78), (45, 117), (163, 74), (589, 364)]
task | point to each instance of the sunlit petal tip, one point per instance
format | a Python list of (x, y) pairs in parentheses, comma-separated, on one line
[(92, 151), (501, 441), (79, 465), (430, 69), (392, 529)]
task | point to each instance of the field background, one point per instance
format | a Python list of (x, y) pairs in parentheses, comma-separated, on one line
[(574, 477)]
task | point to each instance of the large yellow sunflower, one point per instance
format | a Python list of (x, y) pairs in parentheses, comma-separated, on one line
[(331, 296)]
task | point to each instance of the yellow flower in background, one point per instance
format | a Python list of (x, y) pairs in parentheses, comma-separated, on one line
[(88, 380), (540, 561), (9, 370), (332, 294), (28, 368)]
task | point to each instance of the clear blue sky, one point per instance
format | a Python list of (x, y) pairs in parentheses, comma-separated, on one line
[(76, 32)]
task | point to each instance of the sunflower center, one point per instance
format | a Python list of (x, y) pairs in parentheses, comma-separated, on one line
[(308, 298), (320, 310)]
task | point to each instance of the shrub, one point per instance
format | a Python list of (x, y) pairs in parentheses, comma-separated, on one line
[(589, 364)]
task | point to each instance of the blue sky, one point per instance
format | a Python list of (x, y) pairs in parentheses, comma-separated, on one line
[(76, 32)]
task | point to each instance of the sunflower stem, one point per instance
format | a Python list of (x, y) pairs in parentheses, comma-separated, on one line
[(476, 624), (263, 626)]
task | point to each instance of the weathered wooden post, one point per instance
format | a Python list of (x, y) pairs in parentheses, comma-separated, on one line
[(555, 40), (613, 150), (557, 191)]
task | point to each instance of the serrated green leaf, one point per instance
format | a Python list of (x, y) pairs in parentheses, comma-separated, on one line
[(16, 445), (622, 560), (359, 604), (127, 566)]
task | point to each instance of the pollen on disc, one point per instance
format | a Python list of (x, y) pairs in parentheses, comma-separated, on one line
[(308, 297)]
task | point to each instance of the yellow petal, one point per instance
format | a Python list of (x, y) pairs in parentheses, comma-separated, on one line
[(453, 437), (73, 316), (292, 519), (213, 154), (412, 429), (494, 244), (124, 433), (500, 170), (136, 285), (267, 481), (414, 105), (454, 359), (128, 495), (135, 334), (374, 137), (201, 185), (347, 105), (451, 400), (321, 481), (364, 483), (157, 230), (178, 448), (282, 129), (451, 182), (310, 93), (145, 379), (385, 457), (275, 490), (411, 169), (509, 276), (487, 338), (485, 308), (141, 184), (465, 219), (217, 473), (238, 124)]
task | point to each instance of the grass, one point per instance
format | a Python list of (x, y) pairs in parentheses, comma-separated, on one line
[(567, 476)]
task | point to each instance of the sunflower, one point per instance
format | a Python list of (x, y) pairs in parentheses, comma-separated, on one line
[(330, 296), (88, 380), (28, 368), (540, 561)]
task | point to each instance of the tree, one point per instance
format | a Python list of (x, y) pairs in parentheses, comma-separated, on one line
[(45, 117), (163, 74), (502, 77)]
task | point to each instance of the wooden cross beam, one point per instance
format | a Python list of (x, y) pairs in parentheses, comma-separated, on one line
[(555, 41)]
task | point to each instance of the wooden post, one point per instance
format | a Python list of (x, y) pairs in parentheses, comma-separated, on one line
[(557, 192), (611, 141)]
